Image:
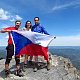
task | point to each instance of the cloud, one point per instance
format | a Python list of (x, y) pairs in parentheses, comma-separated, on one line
[(18, 17), (5, 15), (66, 41), (73, 3)]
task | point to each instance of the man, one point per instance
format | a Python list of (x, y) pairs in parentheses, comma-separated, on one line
[(40, 29), (10, 50)]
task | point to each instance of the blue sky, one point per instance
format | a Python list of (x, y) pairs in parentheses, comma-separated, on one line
[(61, 18)]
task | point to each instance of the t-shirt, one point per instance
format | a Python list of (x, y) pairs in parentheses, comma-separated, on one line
[(24, 29), (10, 38)]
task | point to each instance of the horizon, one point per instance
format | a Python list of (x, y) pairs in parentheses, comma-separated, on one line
[(48, 46)]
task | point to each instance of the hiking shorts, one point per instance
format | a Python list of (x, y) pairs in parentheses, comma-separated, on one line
[(10, 53)]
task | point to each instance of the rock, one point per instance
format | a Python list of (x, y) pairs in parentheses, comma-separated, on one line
[(1, 78), (53, 60), (61, 69)]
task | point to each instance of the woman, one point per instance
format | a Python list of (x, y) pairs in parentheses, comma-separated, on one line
[(28, 26)]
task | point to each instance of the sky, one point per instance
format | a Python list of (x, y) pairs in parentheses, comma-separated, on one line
[(61, 18)]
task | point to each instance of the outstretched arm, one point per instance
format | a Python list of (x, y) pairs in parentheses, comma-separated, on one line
[(44, 31), (3, 31)]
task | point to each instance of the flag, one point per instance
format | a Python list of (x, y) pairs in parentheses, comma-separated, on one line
[(31, 43)]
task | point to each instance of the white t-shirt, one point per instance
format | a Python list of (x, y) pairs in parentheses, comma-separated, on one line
[(24, 29)]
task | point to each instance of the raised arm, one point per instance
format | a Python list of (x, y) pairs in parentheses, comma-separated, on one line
[(3, 31)]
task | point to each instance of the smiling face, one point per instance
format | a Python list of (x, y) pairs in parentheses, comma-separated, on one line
[(36, 20), (17, 24), (28, 24)]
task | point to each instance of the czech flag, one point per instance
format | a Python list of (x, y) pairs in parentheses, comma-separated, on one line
[(31, 43)]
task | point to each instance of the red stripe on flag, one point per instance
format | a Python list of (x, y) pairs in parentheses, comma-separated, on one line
[(35, 50)]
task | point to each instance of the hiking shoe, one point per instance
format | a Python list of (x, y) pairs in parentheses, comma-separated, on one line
[(24, 67), (7, 73), (19, 73), (35, 68)]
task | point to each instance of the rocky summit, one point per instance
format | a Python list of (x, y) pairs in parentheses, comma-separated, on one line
[(60, 69)]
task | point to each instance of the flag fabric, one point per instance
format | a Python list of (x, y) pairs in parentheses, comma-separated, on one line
[(31, 43)]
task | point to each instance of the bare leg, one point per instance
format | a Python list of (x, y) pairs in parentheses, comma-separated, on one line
[(17, 67), (35, 63), (7, 72), (31, 57), (36, 59), (25, 59), (6, 66)]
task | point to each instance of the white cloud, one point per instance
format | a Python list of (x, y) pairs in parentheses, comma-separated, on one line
[(66, 41), (5, 15), (18, 17), (73, 3)]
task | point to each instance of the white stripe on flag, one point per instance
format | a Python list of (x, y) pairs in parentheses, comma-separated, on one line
[(37, 38)]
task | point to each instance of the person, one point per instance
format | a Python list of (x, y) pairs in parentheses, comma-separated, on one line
[(28, 26), (10, 50), (40, 29)]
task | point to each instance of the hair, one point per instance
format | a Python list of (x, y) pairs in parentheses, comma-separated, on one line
[(37, 17), (17, 21), (27, 22)]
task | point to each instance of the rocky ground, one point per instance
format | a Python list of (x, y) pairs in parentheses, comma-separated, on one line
[(61, 69)]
